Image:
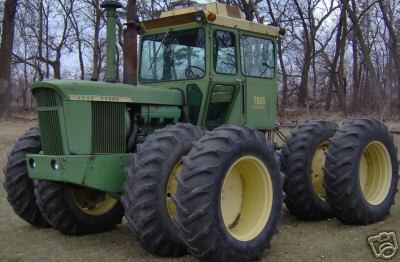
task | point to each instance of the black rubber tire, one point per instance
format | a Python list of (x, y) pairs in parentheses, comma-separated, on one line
[(199, 188), (18, 185), (144, 197), (56, 202), (342, 172), (296, 159)]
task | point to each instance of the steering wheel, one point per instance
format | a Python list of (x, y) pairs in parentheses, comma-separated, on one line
[(190, 74)]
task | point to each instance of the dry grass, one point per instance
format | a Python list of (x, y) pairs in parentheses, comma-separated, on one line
[(297, 241)]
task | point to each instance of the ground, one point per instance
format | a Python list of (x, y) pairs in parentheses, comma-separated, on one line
[(327, 240)]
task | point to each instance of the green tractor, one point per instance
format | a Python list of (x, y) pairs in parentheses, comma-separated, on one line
[(183, 155)]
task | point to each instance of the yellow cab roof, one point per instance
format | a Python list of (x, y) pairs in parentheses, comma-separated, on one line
[(224, 15)]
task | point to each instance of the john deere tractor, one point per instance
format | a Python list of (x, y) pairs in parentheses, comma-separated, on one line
[(183, 153)]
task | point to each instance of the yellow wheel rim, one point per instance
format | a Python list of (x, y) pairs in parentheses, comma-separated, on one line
[(246, 198), (93, 202), (317, 173), (375, 173), (172, 187)]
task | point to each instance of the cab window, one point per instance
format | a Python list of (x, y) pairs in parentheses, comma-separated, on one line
[(173, 55), (225, 58), (257, 56)]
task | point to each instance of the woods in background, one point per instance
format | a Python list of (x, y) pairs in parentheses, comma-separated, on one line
[(337, 55)]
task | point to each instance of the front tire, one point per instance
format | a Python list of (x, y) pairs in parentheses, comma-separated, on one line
[(229, 195), (75, 210), (18, 185), (361, 172), (150, 184)]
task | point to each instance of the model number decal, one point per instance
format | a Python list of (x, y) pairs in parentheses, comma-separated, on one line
[(100, 98), (259, 102)]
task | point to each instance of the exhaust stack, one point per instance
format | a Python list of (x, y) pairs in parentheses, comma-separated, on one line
[(130, 44), (111, 9)]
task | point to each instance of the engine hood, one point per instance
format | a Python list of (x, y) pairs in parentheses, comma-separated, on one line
[(78, 90)]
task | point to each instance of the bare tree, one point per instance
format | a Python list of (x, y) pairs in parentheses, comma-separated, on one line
[(377, 88), (393, 46), (70, 11), (7, 40)]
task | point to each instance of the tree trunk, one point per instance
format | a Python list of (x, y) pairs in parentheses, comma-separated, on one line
[(47, 43), (56, 64), (394, 49), (341, 45), (80, 55), (281, 62), (377, 87), (302, 99), (356, 80), (40, 37), (7, 40), (75, 25), (303, 88), (333, 77), (284, 74)]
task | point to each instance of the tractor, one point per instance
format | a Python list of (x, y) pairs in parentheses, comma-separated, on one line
[(182, 153)]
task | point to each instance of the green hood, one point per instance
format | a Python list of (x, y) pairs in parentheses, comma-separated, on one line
[(110, 92)]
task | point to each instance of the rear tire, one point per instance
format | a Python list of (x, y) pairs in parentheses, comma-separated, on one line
[(18, 185), (150, 183), (74, 210), (361, 172), (229, 195), (303, 157)]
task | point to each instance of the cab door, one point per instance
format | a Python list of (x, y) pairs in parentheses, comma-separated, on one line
[(258, 66), (225, 79)]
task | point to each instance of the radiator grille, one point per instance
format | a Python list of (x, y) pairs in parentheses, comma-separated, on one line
[(108, 127), (45, 97), (50, 132), (49, 123)]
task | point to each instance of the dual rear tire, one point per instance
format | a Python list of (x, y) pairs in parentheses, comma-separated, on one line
[(217, 196), (354, 178), (361, 172)]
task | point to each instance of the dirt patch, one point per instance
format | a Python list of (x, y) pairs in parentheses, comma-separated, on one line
[(327, 240)]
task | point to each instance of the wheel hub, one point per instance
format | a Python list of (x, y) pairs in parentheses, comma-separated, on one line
[(246, 198), (172, 187), (375, 173), (317, 172), (93, 202)]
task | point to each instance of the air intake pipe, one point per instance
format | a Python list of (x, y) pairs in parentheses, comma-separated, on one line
[(111, 10)]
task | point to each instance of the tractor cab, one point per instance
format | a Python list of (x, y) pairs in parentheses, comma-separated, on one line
[(225, 65)]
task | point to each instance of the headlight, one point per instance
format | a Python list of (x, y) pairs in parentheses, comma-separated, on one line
[(54, 165), (32, 163)]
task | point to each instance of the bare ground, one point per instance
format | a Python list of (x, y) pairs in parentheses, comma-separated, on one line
[(297, 241)]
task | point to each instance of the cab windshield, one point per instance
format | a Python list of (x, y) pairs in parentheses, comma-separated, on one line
[(173, 55)]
